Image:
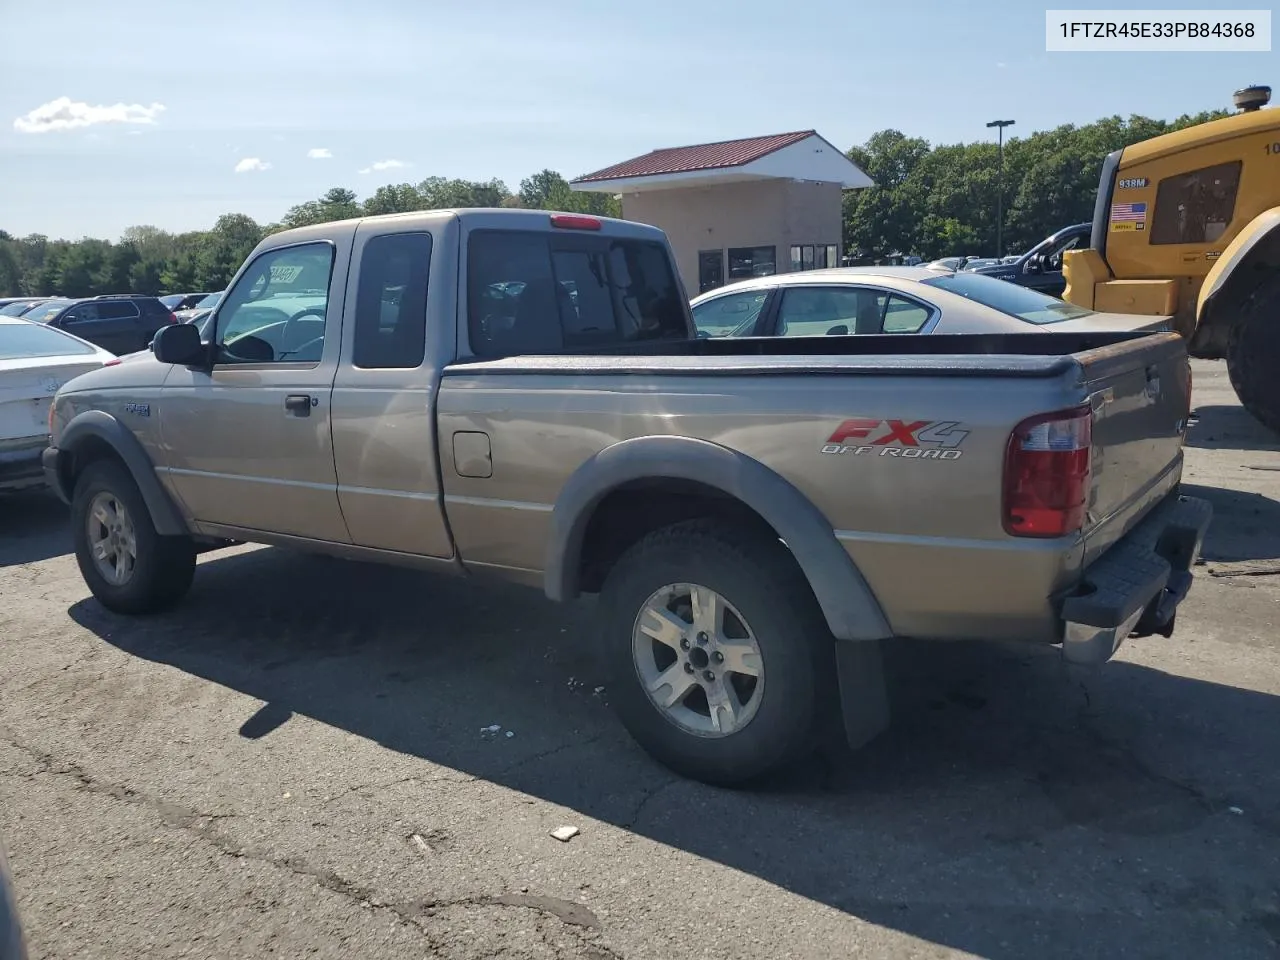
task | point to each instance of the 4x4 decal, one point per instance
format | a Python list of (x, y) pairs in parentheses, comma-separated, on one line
[(907, 439)]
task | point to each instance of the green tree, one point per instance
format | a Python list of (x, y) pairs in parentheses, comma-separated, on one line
[(393, 198), (10, 268), (338, 203), (115, 274)]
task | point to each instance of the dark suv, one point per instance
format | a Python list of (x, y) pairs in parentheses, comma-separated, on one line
[(123, 323)]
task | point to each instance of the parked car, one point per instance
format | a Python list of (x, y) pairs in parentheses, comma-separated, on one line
[(1040, 268), (201, 309), (758, 516), (17, 306), (870, 300), (123, 323), (182, 301), (35, 361), (42, 311)]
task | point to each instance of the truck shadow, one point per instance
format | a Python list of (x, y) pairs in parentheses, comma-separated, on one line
[(1014, 810), (1246, 526), (33, 527), (1229, 427)]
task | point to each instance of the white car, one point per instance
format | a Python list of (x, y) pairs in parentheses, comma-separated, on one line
[(870, 300), (35, 361)]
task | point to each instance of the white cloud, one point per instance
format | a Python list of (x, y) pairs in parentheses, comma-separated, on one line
[(250, 164), (319, 153), (64, 114), (384, 165)]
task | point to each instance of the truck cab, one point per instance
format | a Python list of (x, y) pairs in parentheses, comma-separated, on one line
[(1040, 268)]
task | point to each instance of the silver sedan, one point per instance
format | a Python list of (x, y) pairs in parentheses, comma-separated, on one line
[(879, 300)]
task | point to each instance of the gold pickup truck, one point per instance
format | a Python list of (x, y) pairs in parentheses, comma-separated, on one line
[(521, 394)]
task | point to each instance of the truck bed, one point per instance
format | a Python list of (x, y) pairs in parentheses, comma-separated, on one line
[(1003, 355), (926, 532)]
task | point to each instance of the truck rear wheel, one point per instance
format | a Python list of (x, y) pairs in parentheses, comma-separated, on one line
[(1253, 356), (127, 566), (720, 655)]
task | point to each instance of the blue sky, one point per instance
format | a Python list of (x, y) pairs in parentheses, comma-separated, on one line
[(503, 89)]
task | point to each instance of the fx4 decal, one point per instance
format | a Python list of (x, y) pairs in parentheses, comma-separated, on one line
[(905, 439)]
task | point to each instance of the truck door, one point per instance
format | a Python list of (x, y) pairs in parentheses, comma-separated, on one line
[(248, 442), (384, 437), (1050, 279)]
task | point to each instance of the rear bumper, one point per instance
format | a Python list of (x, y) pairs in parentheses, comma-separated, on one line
[(20, 464), (1135, 587)]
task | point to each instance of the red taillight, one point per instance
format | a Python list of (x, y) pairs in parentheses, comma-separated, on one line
[(1046, 474), (112, 362), (573, 221), (173, 317)]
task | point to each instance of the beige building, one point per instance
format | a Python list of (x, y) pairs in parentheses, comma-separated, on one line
[(739, 208)]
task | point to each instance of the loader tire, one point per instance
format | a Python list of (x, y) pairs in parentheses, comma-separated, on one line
[(1253, 356)]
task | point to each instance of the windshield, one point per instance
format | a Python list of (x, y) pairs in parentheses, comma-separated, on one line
[(15, 309), (209, 302), (22, 340), (1009, 298), (173, 300), (44, 312)]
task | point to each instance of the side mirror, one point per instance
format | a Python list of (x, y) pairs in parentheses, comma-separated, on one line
[(179, 344), (1034, 265)]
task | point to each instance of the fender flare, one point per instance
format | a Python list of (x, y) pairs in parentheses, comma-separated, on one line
[(1254, 233), (103, 426), (851, 609)]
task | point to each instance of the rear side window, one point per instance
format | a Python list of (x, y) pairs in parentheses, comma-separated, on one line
[(19, 341), (391, 302), (1021, 302), (534, 293), (117, 310)]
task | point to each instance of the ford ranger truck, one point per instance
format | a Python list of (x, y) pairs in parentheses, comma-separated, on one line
[(521, 394)]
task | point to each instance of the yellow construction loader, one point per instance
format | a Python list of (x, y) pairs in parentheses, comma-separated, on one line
[(1187, 225)]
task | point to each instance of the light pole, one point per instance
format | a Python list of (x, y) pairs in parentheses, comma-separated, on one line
[(1000, 125)]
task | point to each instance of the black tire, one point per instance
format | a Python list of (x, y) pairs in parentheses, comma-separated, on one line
[(1253, 356), (757, 576), (164, 566)]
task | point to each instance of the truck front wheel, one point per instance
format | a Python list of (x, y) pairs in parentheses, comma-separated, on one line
[(1253, 356), (127, 566), (719, 653)]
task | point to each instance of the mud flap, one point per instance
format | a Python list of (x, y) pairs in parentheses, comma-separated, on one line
[(864, 694)]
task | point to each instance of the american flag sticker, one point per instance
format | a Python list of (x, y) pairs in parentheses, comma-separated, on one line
[(1128, 216)]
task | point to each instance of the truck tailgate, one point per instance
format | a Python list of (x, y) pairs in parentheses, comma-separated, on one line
[(1140, 393)]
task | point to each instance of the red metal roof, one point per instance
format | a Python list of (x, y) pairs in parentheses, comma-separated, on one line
[(702, 156)]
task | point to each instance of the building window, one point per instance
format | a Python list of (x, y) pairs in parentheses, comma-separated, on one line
[(748, 262), (1193, 207), (810, 256)]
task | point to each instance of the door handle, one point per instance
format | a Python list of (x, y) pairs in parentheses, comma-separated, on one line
[(300, 404)]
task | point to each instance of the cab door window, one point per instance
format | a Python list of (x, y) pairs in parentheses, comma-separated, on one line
[(1196, 207), (82, 313), (275, 313)]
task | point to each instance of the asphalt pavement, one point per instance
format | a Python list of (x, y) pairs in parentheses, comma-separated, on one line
[(300, 761)]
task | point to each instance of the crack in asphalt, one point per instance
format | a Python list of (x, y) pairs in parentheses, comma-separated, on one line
[(644, 802), (574, 916), (549, 752)]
